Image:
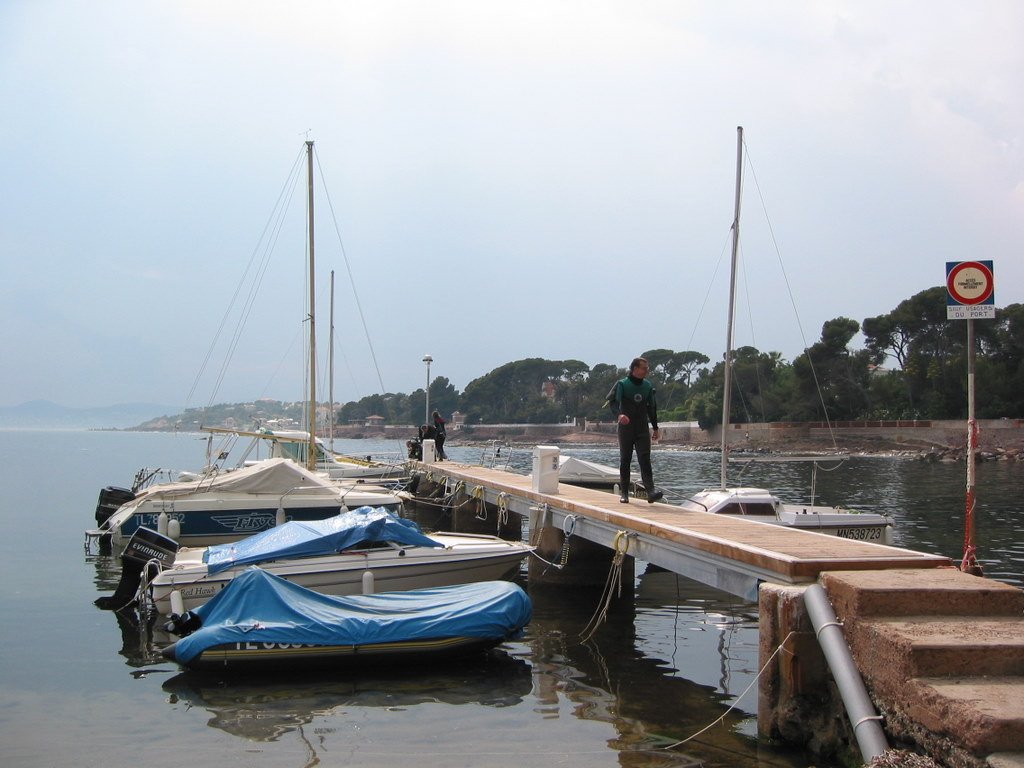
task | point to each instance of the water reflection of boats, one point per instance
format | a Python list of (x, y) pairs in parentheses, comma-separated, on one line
[(272, 707), (137, 638)]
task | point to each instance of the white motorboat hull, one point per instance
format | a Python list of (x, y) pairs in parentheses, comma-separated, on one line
[(763, 506), (236, 504), (204, 520), (464, 559)]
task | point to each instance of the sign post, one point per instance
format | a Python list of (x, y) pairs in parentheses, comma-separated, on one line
[(970, 288)]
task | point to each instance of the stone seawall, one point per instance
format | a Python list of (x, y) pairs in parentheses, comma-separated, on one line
[(941, 437)]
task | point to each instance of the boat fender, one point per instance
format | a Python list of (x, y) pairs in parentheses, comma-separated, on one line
[(174, 528), (279, 517), (161, 523), (367, 582)]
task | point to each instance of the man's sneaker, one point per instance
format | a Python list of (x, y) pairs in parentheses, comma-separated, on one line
[(624, 498), (656, 496)]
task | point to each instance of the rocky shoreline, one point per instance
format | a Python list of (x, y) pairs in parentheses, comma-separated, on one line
[(991, 450)]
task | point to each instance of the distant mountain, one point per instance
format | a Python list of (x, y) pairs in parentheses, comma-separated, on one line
[(42, 414)]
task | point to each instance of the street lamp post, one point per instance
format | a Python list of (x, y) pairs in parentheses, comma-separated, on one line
[(428, 360)]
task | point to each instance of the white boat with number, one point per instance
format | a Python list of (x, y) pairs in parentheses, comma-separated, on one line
[(764, 506), (365, 550)]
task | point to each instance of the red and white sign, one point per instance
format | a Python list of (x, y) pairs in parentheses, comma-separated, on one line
[(971, 290)]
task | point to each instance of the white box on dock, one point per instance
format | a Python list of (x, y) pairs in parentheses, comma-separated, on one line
[(429, 452), (545, 469)]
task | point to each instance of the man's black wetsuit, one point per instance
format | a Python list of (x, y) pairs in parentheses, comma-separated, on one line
[(635, 398)]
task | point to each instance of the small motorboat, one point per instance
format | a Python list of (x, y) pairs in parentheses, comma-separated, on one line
[(587, 474), (364, 550), (261, 621), (230, 505), (764, 506)]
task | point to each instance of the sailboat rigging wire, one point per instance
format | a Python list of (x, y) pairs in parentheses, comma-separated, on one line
[(272, 226), (248, 305), (792, 301), (351, 280), (700, 312)]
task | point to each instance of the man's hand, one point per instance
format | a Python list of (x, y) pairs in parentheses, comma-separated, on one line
[(623, 419)]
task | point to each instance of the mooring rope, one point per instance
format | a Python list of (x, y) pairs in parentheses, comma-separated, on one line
[(478, 495), (612, 586), (732, 706), (568, 526), (502, 510)]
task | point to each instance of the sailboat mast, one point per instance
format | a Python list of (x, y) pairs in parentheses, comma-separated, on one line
[(311, 449), (330, 363), (727, 384)]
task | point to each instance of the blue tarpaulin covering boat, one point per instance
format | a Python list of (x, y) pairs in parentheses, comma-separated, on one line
[(263, 620), (309, 538)]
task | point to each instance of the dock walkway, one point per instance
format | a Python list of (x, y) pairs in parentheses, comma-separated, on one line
[(730, 553)]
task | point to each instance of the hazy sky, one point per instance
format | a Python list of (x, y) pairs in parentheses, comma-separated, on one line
[(509, 180)]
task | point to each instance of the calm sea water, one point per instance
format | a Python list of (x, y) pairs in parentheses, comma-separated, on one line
[(83, 687)]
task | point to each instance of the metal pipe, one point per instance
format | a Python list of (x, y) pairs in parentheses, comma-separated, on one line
[(860, 710)]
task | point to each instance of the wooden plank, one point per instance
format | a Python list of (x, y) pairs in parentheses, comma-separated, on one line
[(793, 554)]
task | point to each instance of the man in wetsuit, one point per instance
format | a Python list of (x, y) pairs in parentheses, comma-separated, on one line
[(633, 403)]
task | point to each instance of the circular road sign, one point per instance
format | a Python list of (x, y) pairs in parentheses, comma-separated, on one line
[(970, 282)]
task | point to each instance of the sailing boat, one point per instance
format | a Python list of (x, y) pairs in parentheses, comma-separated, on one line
[(216, 506), (759, 503)]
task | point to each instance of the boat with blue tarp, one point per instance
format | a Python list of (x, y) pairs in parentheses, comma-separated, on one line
[(261, 621), (363, 550)]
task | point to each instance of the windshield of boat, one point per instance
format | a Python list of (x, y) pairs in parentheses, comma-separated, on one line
[(739, 508), (366, 546)]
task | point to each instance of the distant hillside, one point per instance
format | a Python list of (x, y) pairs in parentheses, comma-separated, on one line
[(42, 414)]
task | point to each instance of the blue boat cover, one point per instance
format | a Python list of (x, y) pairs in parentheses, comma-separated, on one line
[(297, 538), (259, 607)]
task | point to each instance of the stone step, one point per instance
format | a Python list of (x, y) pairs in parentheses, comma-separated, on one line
[(984, 714), (893, 650), (912, 592)]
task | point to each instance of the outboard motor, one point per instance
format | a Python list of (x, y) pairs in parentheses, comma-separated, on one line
[(143, 546), (111, 498)]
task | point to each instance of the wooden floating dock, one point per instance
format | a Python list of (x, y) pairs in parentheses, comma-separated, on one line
[(730, 553), (941, 652)]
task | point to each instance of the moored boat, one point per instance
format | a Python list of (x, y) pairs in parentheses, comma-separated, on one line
[(758, 503), (295, 444), (228, 506), (262, 621), (587, 474), (359, 551), (764, 506)]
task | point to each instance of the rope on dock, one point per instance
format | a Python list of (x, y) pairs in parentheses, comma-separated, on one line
[(612, 585)]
